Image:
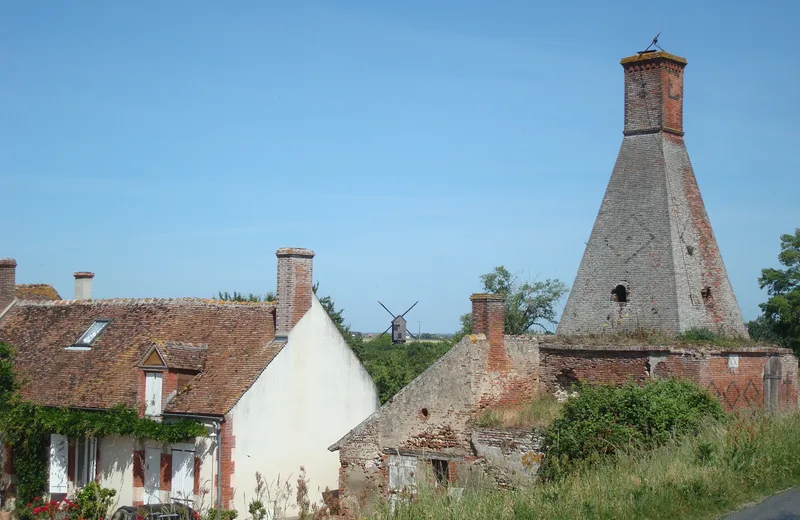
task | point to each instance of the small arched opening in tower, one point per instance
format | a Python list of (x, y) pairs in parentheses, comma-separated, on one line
[(619, 294)]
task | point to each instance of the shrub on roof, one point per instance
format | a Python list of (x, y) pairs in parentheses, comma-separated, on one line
[(603, 419)]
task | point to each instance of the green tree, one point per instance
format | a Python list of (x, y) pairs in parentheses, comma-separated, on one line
[(781, 312), (269, 296), (527, 303)]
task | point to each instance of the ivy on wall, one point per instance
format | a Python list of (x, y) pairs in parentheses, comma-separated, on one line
[(26, 427)]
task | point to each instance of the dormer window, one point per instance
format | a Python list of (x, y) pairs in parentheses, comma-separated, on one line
[(86, 339)]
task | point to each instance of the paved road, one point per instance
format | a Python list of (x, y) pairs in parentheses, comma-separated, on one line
[(783, 506)]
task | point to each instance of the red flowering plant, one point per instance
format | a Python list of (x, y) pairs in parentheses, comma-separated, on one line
[(53, 510)]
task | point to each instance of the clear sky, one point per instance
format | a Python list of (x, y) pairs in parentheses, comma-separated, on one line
[(172, 147)]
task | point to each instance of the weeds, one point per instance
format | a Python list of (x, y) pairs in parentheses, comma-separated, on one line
[(537, 414)]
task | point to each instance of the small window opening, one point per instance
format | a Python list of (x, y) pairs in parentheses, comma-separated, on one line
[(91, 333), (424, 413), (619, 294), (705, 293), (566, 379), (441, 470)]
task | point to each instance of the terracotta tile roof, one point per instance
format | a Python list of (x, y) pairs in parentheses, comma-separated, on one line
[(238, 338), (36, 291)]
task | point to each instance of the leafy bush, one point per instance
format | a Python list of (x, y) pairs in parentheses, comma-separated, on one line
[(224, 514), (602, 419), (94, 501)]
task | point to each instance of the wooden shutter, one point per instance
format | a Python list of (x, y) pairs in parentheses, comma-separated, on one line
[(152, 392), (58, 463), (183, 472)]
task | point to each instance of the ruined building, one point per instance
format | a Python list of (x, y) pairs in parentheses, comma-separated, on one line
[(652, 261)]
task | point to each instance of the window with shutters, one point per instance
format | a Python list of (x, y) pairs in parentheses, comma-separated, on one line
[(152, 392), (183, 472), (59, 448)]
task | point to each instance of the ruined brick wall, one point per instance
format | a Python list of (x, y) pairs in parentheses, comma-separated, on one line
[(432, 416), (652, 235), (735, 376), (561, 366)]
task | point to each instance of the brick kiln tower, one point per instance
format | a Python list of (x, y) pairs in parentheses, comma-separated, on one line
[(652, 261)]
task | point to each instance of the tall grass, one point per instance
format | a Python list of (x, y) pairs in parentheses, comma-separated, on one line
[(727, 465), (539, 413)]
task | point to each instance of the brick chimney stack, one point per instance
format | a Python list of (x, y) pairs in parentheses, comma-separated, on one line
[(653, 93), (295, 270), (8, 282), (488, 317), (83, 285)]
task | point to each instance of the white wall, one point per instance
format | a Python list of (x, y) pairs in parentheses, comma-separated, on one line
[(312, 393), (115, 466)]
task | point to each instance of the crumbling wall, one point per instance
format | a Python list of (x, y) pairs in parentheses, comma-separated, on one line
[(509, 457), (563, 365), (430, 419), (735, 376)]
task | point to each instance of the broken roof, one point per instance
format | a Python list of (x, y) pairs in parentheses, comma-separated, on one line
[(231, 342)]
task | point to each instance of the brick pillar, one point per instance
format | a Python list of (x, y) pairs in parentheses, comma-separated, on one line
[(8, 281), (295, 268), (653, 93), (83, 285), (488, 316)]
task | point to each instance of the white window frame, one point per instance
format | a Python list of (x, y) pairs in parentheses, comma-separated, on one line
[(85, 470), (153, 388)]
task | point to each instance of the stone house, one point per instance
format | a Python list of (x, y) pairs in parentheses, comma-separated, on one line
[(429, 431), (429, 424), (272, 382)]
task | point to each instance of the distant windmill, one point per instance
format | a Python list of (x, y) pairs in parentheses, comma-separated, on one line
[(398, 325)]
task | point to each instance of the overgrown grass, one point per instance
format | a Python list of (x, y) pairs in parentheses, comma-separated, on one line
[(536, 414), (728, 464)]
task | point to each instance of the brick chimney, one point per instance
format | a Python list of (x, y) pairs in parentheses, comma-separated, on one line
[(653, 93), (488, 316), (294, 288), (8, 282), (83, 285)]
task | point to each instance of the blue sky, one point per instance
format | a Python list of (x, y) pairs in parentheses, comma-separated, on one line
[(172, 147)]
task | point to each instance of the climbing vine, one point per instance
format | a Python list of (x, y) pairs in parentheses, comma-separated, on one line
[(26, 427)]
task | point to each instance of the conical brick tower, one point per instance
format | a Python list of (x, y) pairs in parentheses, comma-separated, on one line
[(652, 261)]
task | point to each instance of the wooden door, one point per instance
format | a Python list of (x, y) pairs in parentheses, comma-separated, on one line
[(152, 478), (772, 384)]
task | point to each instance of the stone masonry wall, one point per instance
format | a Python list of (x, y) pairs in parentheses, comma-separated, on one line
[(509, 457), (431, 417)]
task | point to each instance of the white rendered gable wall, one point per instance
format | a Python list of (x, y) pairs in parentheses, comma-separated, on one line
[(310, 395)]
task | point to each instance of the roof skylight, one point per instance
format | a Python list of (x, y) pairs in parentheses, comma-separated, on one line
[(91, 333)]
